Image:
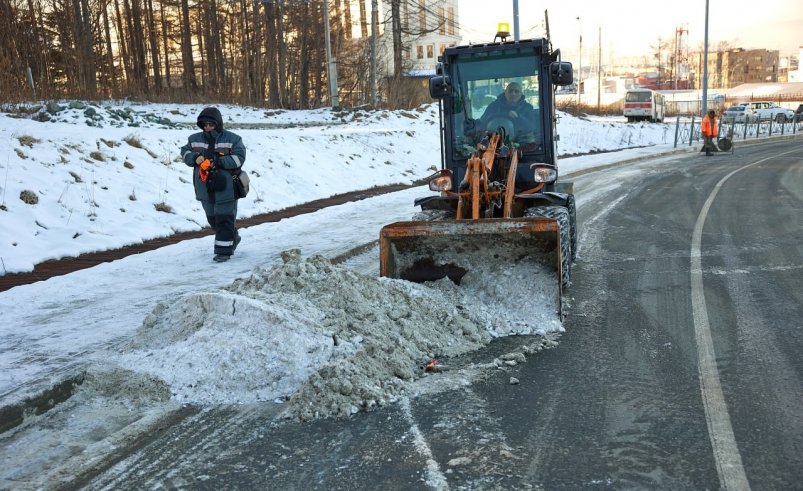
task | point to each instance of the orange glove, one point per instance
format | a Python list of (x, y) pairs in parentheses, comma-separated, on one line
[(204, 170)]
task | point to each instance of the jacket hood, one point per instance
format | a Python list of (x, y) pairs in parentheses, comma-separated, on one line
[(211, 114)]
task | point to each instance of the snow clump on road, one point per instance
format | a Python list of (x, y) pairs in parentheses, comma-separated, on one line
[(328, 340)]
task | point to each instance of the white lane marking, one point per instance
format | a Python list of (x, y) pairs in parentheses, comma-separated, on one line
[(435, 478), (720, 432)]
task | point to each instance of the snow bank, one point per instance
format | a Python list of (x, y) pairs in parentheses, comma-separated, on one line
[(329, 340)]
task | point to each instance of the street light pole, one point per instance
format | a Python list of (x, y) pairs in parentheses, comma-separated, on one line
[(599, 70), (372, 81), (704, 109), (580, 62), (332, 63)]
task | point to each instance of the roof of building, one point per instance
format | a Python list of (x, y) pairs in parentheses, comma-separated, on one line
[(788, 90)]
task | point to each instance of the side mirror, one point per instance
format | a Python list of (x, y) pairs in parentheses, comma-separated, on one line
[(561, 73), (440, 87)]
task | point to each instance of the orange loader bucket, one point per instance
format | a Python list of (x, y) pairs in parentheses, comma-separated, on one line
[(431, 250)]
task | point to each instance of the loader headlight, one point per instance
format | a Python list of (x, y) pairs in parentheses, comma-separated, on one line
[(441, 182), (544, 173)]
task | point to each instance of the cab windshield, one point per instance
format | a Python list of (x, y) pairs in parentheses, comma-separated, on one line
[(496, 93)]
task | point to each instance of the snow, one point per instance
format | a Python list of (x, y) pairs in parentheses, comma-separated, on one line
[(90, 200), (280, 321)]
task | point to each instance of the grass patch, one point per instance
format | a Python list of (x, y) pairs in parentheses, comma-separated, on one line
[(28, 140), (133, 141), (163, 207), (29, 197)]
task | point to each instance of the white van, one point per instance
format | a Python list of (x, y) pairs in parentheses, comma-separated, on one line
[(644, 104)]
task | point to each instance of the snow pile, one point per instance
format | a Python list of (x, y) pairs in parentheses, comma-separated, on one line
[(577, 135), (330, 340), (127, 114)]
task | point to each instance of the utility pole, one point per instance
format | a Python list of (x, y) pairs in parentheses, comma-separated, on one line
[(675, 61), (704, 109), (332, 63), (515, 20), (580, 62), (372, 82), (599, 71)]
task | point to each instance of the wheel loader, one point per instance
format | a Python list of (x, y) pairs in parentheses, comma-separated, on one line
[(498, 203)]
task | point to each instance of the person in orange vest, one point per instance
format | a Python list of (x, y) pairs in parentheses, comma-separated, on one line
[(710, 130)]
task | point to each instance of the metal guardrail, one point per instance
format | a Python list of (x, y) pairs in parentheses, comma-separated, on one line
[(687, 132)]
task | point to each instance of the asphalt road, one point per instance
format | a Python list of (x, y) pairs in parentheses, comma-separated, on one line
[(680, 367)]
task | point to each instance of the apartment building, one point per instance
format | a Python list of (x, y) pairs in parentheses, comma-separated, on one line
[(727, 69), (428, 27)]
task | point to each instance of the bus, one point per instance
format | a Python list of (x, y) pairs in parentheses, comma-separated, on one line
[(644, 104)]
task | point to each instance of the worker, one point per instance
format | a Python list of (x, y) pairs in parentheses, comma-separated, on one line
[(710, 130), (216, 155), (512, 106)]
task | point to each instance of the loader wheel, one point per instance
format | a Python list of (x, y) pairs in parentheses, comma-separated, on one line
[(432, 215), (561, 214)]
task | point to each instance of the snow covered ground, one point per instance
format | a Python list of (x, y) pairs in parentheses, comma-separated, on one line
[(115, 177), (279, 322)]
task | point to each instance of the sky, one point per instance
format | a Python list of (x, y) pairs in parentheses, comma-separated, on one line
[(156, 330), (630, 27)]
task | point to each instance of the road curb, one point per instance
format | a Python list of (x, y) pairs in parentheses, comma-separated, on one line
[(14, 414)]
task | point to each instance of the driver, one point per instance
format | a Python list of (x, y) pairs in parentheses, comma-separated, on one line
[(511, 105)]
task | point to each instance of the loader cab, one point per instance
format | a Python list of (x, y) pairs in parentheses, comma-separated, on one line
[(498, 87)]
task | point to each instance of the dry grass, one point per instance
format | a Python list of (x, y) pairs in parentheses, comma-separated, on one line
[(133, 141), (29, 197), (163, 207), (28, 140)]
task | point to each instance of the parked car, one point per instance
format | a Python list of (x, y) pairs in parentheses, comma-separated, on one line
[(739, 114), (799, 113), (766, 111)]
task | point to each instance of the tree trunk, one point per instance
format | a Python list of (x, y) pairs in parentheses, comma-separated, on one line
[(188, 80), (397, 38), (165, 44), (114, 90), (125, 60), (154, 46)]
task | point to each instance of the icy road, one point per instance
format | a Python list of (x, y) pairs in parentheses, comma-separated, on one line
[(678, 367)]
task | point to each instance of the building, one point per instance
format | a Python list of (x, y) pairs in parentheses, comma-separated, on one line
[(790, 68), (428, 27), (727, 69)]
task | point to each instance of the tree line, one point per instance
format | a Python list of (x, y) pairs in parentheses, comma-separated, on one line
[(263, 53)]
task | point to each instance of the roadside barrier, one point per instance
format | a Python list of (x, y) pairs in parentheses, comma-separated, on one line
[(688, 131)]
